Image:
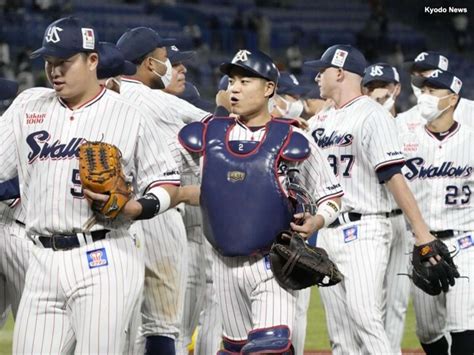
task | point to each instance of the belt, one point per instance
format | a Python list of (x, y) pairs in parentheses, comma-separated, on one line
[(70, 241), (354, 217), (448, 233)]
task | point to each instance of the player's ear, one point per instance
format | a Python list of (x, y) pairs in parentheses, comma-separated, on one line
[(340, 74), (397, 90), (453, 99), (92, 60), (269, 88)]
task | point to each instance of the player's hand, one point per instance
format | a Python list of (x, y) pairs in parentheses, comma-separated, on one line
[(310, 224), (96, 201), (223, 99), (425, 238)]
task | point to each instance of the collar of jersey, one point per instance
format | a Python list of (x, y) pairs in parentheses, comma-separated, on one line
[(247, 128), (445, 138), (130, 80), (87, 103), (350, 102)]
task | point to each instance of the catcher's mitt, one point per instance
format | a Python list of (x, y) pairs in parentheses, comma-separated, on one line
[(297, 265), (100, 170), (433, 278)]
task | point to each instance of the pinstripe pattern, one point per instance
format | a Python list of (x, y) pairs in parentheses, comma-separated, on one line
[(397, 286), (446, 204), (210, 320), (63, 297), (354, 307), (298, 337), (464, 112), (121, 124), (250, 296), (165, 237), (368, 143)]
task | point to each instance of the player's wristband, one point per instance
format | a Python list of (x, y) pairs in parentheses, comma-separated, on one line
[(329, 210), (156, 201)]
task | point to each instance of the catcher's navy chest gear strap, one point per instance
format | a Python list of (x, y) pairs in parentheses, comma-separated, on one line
[(243, 204)]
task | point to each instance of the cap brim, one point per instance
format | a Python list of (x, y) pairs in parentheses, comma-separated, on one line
[(226, 68), (418, 66), (129, 68), (53, 52), (313, 93), (8, 89), (179, 57), (317, 64)]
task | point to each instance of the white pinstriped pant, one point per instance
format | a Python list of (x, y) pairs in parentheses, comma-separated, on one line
[(354, 307), (397, 286), (249, 296), (68, 306), (452, 311), (15, 250)]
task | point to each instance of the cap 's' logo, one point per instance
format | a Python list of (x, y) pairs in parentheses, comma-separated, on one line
[(53, 34), (174, 48), (376, 70), (235, 176), (421, 57), (435, 73), (294, 79), (395, 74), (241, 56)]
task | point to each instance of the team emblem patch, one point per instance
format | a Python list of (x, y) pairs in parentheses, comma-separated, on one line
[(425, 250), (235, 176), (88, 38), (97, 258), (339, 58), (465, 242), (350, 234)]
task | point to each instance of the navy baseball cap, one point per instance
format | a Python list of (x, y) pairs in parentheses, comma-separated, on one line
[(440, 79), (137, 42), (289, 84), (176, 56), (223, 83), (8, 89), (341, 56), (67, 37), (427, 61), (380, 72), (191, 94), (112, 63)]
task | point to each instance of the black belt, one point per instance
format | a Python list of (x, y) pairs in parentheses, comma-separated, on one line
[(354, 217), (69, 241), (448, 233)]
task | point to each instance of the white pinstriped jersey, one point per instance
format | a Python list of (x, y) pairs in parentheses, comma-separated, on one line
[(359, 139), (170, 113), (315, 173), (40, 137), (10, 210), (441, 177)]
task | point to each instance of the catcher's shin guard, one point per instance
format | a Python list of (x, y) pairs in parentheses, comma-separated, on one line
[(275, 340)]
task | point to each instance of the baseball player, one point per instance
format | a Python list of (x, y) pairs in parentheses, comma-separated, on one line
[(165, 236), (178, 60), (81, 286), (14, 246), (245, 158), (423, 64), (357, 134), (439, 168), (381, 82)]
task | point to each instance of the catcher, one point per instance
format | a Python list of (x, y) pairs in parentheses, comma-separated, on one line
[(245, 205), (439, 169)]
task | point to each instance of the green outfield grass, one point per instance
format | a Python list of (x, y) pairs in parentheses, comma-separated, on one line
[(316, 338)]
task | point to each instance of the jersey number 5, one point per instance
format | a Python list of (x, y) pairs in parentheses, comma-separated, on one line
[(456, 195), (343, 164), (76, 189)]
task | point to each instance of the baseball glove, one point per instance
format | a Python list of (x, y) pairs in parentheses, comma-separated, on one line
[(100, 170), (433, 278), (297, 265)]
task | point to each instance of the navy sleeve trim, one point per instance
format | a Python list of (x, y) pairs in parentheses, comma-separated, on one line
[(385, 173)]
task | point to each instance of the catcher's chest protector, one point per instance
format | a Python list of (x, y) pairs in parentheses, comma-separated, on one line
[(242, 202)]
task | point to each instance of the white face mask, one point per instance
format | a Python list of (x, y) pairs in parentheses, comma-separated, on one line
[(388, 104), (166, 78), (271, 104), (416, 91), (428, 106), (293, 109)]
